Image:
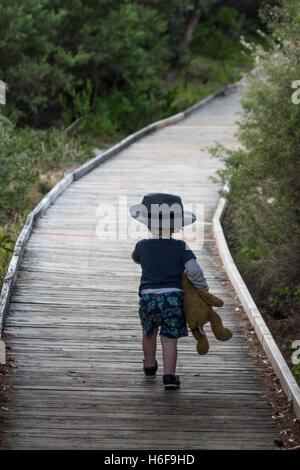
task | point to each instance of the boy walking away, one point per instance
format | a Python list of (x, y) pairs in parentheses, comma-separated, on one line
[(163, 260)]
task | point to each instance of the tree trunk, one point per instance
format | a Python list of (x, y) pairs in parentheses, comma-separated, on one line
[(186, 39)]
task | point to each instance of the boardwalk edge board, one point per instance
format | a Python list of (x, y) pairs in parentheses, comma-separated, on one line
[(60, 187), (271, 349)]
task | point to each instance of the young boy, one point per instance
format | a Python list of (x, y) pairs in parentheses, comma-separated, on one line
[(163, 260)]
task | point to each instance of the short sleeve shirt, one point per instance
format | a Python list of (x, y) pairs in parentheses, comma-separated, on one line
[(162, 261)]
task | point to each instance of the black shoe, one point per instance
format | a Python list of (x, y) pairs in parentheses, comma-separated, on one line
[(150, 372), (171, 381)]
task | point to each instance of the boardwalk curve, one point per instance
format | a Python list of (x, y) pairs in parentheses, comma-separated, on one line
[(75, 334)]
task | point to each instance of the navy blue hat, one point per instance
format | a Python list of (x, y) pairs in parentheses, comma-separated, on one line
[(161, 210)]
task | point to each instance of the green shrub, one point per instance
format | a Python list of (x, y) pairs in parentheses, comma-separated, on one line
[(8, 236), (216, 56), (31, 162), (108, 114), (47, 47), (264, 174), (218, 36), (26, 157)]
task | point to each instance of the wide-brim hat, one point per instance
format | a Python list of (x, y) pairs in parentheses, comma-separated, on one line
[(161, 210)]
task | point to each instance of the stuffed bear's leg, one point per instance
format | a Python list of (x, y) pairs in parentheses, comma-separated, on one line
[(220, 332), (202, 342)]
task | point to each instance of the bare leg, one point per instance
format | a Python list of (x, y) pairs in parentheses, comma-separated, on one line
[(149, 348), (169, 348)]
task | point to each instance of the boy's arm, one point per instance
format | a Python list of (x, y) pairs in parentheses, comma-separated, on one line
[(195, 274), (135, 254)]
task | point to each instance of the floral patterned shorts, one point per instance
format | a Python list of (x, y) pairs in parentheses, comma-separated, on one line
[(165, 310)]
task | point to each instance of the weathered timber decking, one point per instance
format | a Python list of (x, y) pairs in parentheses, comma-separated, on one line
[(73, 317)]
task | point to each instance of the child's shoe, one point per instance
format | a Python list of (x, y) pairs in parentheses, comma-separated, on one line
[(150, 372), (171, 381)]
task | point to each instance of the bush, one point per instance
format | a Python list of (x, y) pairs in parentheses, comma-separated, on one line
[(264, 174), (8, 236), (31, 162), (216, 56), (47, 47), (28, 157), (107, 115)]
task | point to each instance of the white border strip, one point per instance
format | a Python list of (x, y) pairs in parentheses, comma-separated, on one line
[(271, 349), (59, 188)]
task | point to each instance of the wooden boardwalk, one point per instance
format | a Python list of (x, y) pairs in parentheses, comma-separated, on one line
[(74, 326)]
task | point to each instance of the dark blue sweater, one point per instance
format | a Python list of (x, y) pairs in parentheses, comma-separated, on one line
[(162, 261)]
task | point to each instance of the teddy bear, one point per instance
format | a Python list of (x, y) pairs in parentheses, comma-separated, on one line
[(198, 311)]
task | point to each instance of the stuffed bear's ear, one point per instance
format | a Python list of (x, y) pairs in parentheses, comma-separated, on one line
[(210, 299)]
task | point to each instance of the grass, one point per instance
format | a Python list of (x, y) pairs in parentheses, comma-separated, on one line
[(31, 163)]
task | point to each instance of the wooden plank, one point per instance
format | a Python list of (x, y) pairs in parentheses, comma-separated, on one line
[(75, 336)]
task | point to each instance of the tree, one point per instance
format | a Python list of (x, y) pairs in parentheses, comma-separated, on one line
[(264, 175), (47, 47)]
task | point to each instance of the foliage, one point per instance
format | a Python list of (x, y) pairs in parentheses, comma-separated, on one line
[(219, 35), (96, 68), (116, 111), (48, 47), (31, 162), (26, 155), (50, 50), (263, 174), (176, 15), (8, 236), (216, 56)]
